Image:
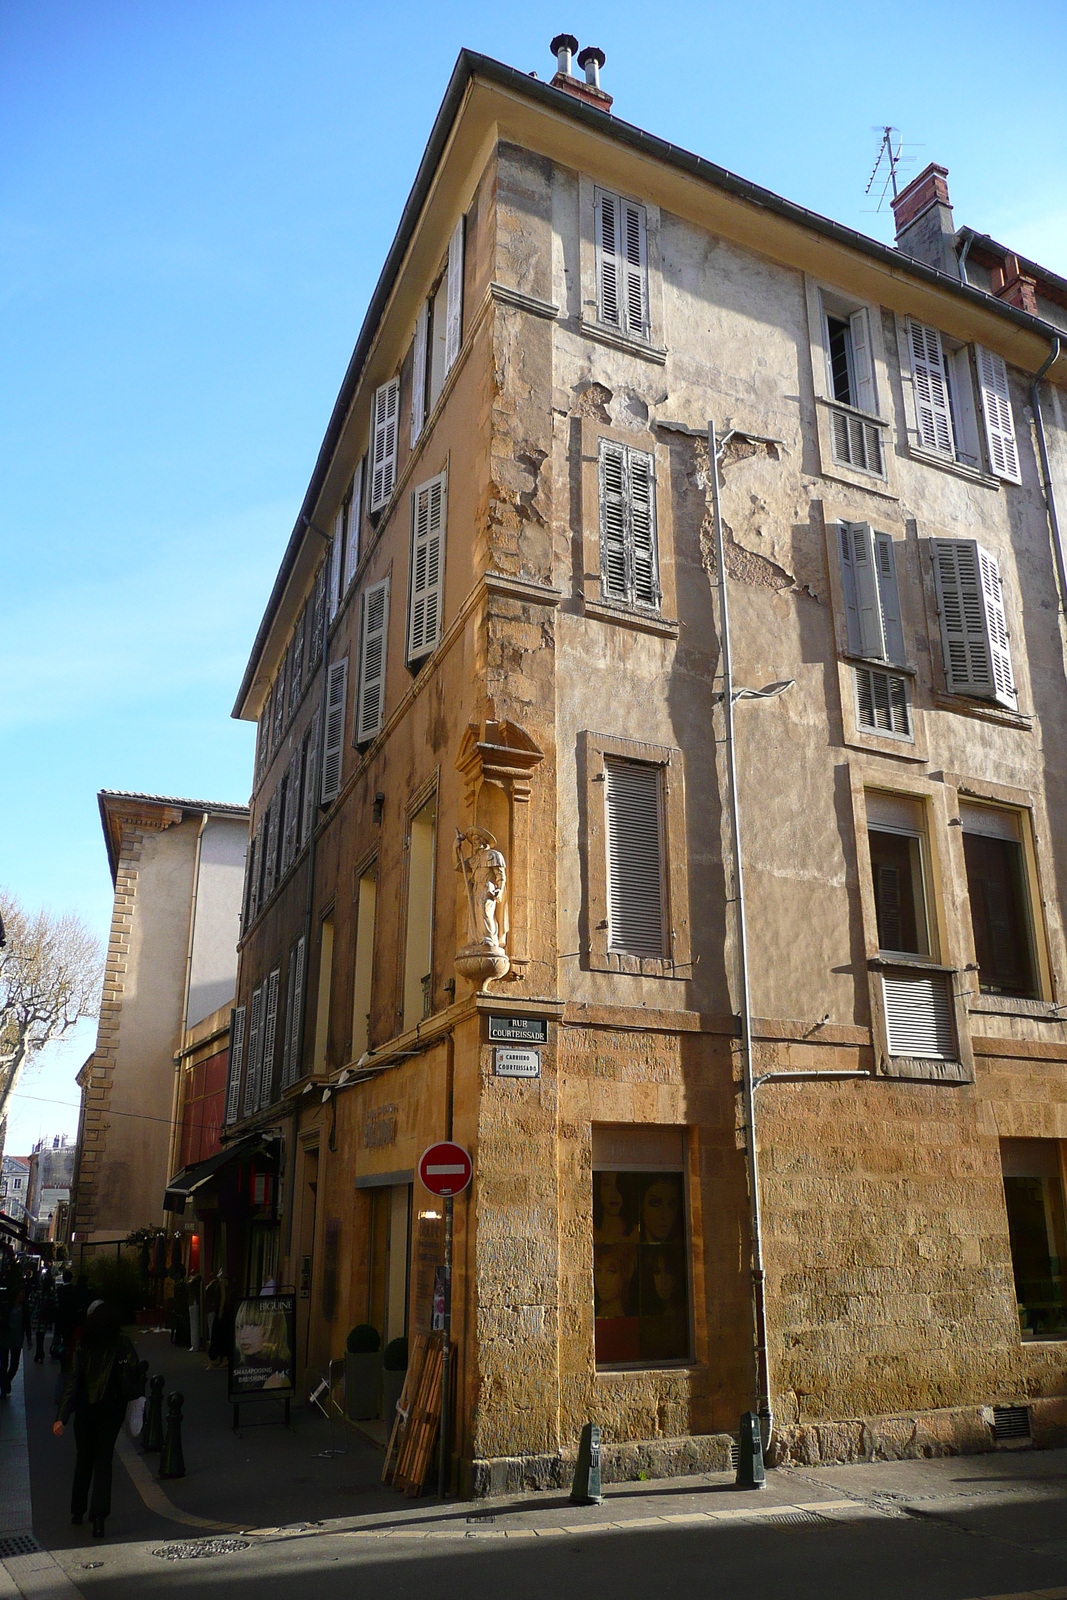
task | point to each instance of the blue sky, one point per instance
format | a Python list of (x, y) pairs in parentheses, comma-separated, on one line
[(195, 201)]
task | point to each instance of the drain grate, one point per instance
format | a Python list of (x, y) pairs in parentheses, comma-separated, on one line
[(788, 1516), (18, 1544), (198, 1549), (1011, 1423)]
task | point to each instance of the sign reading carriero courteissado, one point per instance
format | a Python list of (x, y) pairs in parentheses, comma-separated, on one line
[(519, 1030), (263, 1353)]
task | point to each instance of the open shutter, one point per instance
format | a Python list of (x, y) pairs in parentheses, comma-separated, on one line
[(233, 1076), (889, 597), (608, 266), (383, 442), (271, 863), (270, 1025), (454, 313), (374, 628), (632, 252), (428, 511), (999, 423), (336, 694), (851, 589), (337, 550), (292, 812), (635, 858), (997, 629), (868, 604), (317, 617), (862, 365), (296, 661), (614, 527), (355, 511), (643, 525), (254, 1042), (418, 373), (931, 389), (295, 1011), (974, 629), (311, 782)]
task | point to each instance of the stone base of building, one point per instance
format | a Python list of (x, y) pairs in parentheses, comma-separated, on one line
[(619, 1463), (915, 1435)]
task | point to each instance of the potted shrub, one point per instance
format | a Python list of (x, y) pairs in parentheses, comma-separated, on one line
[(394, 1371), (363, 1368)]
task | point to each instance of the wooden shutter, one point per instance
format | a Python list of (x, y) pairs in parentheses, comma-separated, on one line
[(930, 382), (278, 701), (292, 812), (297, 1012), (454, 313), (635, 857), (632, 254), (336, 694), (862, 364), (418, 373), (337, 550), (850, 587), (265, 724), (629, 566), (374, 631), (428, 513), (270, 1025), (865, 575), (271, 848), (311, 787), (233, 1075), (296, 661), (999, 422), (383, 442), (613, 520), (608, 266), (642, 474), (317, 617), (974, 630), (889, 597), (882, 704), (254, 1043), (254, 870), (918, 1015), (355, 516)]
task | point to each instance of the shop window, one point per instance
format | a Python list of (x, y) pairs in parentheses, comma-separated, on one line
[(640, 1247), (366, 900), (1033, 1193), (418, 945), (1000, 901)]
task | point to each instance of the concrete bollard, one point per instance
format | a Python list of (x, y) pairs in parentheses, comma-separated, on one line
[(172, 1461), (152, 1433), (585, 1490), (750, 1470)]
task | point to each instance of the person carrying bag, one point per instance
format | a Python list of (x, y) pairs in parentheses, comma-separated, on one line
[(104, 1376)]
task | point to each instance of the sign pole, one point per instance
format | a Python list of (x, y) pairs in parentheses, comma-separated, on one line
[(446, 1351)]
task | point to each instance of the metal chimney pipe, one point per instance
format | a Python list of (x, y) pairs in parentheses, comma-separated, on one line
[(592, 59), (563, 47)]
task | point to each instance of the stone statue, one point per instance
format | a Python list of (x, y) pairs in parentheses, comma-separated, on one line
[(485, 878)]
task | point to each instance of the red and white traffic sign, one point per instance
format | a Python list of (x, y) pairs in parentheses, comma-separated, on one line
[(445, 1169)]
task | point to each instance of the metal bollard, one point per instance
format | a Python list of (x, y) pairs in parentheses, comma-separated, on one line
[(152, 1435), (585, 1490), (172, 1461), (750, 1469)]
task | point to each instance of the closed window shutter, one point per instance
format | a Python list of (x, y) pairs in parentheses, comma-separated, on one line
[(355, 510), (999, 422), (607, 259), (643, 525), (233, 1076), (889, 597), (272, 850), (930, 381), (311, 787), (337, 550), (296, 664), (918, 1015), (635, 858), (253, 875), (278, 701), (270, 1025), (613, 520), (629, 565), (454, 313), (872, 637), (263, 740), (292, 812), (373, 638), (336, 694), (882, 704), (383, 443), (317, 605), (632, 252), (974, 630), (254, 1041), (428, 512), (862, 365), (418, 373)]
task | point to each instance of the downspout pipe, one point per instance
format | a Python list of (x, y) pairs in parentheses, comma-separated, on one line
[(1046, 470), (748, 1087)]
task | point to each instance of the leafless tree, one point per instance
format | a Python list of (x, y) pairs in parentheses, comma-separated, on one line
[(51, 971)]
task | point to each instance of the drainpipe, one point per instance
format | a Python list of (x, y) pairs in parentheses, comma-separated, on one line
[(763, 1385), (175, 1130), (961, 260), (1046, 471)]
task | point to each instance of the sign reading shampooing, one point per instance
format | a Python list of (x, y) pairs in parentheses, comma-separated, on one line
[(517, 1063), (519, 1030), (263, 1353)]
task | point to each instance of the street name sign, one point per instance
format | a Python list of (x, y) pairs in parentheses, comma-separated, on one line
[(517, 1063)]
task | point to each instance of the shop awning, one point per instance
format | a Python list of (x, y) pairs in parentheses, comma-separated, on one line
[(185, 1184)]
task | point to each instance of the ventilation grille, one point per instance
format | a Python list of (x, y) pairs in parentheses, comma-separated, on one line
[(918, 1015), (18, 1544), (856, 443), (1011, 1423)]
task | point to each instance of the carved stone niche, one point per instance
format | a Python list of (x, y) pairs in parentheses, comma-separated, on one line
[(497, 760)]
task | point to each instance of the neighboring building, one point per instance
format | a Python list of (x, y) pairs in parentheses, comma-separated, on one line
[(177, 866), (51, 1172), (14, 1187), (499, 610)]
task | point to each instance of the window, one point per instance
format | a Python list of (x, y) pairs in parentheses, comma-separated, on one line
[(629, 569), (366, 905), (374, 635), (270, 1026), (355, 512), (854, 442), (974, 626), (318, 604), (872, 599), (233, 1072), (621, 264), (336, 696), (417, 998), (251, 885), (322, 1009), (310, 749), (383, 442), (1000, 901), (296, 667), (255, 1046), (270, 851), (263, 750), (337, 556), (1033, 1194), (882, 702), (294, 1010), (278, 701), (640, 1247), (418, 372), (428, 519), (634, 805), (944, 396)]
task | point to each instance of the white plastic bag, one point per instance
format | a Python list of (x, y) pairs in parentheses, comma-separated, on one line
[(135, 1417)]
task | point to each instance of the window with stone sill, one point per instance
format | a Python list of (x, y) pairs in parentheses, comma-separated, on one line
[(945, 378), (855, 440)]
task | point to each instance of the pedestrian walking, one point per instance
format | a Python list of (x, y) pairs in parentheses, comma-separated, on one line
[(44, 1314), (101, 1381), (11, 1336)]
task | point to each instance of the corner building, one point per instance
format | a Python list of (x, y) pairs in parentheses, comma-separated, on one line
[(499, 608)]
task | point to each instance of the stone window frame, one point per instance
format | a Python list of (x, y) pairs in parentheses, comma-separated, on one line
[(886, 486), (594, 602), (593, 936), (430, 789)]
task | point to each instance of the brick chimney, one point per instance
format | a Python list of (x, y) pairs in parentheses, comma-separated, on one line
[(1011, 284), (923, 215), (591, 60)]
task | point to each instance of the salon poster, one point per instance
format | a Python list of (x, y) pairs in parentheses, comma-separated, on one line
[(262, 1356), (641, 1291)]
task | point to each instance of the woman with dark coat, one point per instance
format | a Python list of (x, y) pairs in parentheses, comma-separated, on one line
[(95, 1393)]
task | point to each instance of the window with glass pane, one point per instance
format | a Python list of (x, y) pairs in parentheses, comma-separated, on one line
[(640, 1266), (1033, 1194), (899, 901), (1000, 902)]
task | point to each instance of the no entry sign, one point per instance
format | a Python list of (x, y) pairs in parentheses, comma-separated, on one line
[(445, 1169)]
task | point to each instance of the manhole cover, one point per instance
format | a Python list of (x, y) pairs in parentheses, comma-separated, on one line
[(197, 1549), (18, 1544)]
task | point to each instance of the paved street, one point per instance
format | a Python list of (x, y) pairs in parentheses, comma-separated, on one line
[(940, 1530)]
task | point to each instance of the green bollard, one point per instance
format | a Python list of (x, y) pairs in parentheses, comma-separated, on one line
[(585, 1490), (751, 1473), (152, 1433)]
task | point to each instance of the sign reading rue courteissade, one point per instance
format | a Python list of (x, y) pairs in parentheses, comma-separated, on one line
[(519, 1030)]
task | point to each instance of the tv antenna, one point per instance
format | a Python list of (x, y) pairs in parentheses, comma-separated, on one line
[(886, 155)]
